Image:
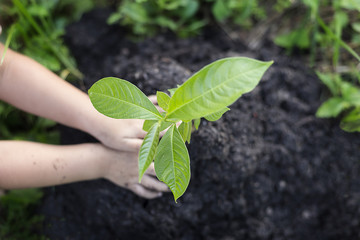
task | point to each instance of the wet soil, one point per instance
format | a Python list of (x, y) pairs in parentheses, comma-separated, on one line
[(267, 170)]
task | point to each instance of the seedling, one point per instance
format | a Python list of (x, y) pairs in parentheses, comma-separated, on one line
[(207, 94)]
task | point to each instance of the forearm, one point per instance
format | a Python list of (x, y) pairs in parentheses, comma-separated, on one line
[(28, 164), (29, 86)]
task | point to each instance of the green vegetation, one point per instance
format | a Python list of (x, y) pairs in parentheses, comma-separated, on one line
[(185, 17), (330, 30), (204, 95), (17, 220), (146, 17), (34, 28), (345, 102), (327, 32), (38, 36)]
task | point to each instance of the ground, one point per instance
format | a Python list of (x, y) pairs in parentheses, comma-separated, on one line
[(267, 170)]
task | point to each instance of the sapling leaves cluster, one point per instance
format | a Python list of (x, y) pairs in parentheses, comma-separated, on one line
[(207, 94)]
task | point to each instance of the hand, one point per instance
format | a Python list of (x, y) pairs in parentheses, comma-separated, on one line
[(123, 171), (122, 134)]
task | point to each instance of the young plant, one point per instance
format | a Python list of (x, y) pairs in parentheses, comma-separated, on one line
[(207, 94), (345, 102)]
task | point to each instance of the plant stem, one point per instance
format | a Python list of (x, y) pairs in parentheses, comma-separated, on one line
[(339, 41), (7, 43)]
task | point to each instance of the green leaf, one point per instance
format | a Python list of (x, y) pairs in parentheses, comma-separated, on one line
[(332, 107), (189, 9), (341, 19), (216, 116), (163, 100), (165, 125), (350, 93), (350, 4), (297, 38), (118, 98), (149, 123), (172, 162), (192, 29), (169, 4), (148, 149), (114, 18), (166, 22), (135, 12), (215, 87), (356, 26), (185, 131), (351, 122), (38, 11), (197, 123), (220, 10), (313, 5), (172, 91), (331, 81)]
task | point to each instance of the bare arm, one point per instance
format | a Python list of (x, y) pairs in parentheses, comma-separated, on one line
[(29, 86), (27, 164)]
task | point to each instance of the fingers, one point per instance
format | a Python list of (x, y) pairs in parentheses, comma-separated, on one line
[(154, 184), (132, 145), (153, 99), (145, 193), (149, 188), (151, 170), (150, 181), (141, 134), (159, 108)]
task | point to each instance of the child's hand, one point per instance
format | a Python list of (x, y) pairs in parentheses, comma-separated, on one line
[(122, 134), (123, 171)]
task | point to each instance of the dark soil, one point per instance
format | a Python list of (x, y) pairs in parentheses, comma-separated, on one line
[(267, 170)]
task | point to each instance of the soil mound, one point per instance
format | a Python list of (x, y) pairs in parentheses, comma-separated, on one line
[(267, 170)]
